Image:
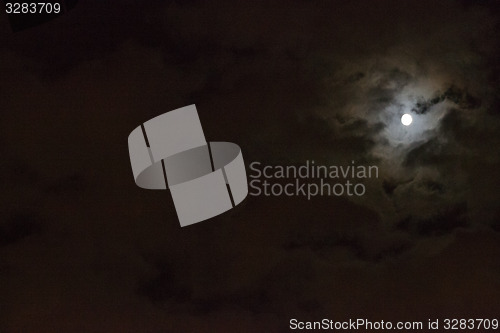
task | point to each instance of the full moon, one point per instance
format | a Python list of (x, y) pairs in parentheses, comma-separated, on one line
[(406, 119)]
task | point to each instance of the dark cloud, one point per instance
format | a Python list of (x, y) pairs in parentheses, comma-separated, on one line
[(453, 94), (448, 219), (18, 226), (427, 153)]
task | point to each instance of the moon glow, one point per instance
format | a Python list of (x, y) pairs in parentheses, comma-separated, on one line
[(406, 119)]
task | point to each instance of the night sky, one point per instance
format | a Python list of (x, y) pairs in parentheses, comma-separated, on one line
[(83, 249)]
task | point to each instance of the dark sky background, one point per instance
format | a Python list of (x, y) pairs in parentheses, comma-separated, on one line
[(83, 249)]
